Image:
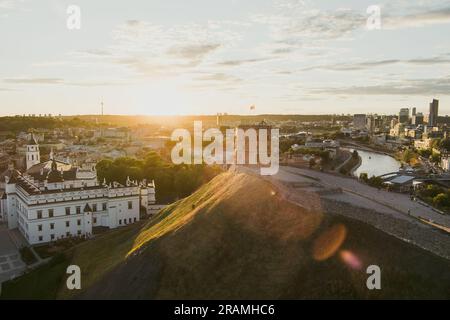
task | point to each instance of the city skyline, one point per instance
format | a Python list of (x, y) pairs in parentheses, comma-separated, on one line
[(408, 112), (205, 151), (281, 56)]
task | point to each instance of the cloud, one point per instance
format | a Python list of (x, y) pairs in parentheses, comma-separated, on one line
[(416, 87), (11, 5), (143, 50), (60, 81), (97, 83), (416, 20), (34, 80), (153, 50), (296, 23), (218, 77), (233, 63), (94, 53), (284, 50), (193, 51), (378, 63), (311, 24), (7, 4)]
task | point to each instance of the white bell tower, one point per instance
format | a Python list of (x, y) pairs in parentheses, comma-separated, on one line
[(32, 154)]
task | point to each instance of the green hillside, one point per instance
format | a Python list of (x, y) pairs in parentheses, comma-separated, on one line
[(236, 238)]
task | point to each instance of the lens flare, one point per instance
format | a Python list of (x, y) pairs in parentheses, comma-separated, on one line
[(329, 242), (350, 259)]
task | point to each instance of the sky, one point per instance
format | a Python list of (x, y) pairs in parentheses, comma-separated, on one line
[(169, 57)]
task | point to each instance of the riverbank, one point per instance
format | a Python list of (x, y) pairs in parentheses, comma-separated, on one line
[(352, 172), (350, 165), (354, 145)]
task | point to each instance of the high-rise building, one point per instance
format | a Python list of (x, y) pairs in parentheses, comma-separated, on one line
[(403, 115), (434, 110), (394, 121), (413, 112), (359, 121), (370, 124), (417, 119)]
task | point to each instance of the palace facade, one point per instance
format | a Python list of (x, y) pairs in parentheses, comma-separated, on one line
[(55, 200)]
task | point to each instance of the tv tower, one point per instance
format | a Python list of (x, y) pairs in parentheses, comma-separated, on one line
[(102, 106)]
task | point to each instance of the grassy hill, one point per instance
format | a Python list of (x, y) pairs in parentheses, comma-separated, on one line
[(235, 238)]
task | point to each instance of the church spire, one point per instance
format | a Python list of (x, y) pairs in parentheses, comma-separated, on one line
[(32, 139), (32, 154)]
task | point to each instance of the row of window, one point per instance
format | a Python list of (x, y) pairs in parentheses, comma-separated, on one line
[(79, 232), (52, 236), (68, 210), (125, 221), (41, 200), (52, 225)]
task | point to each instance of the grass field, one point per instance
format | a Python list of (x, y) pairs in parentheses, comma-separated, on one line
[(42, 283), (235, 238)]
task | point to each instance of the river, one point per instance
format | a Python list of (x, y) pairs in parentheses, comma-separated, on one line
[(376, 164)]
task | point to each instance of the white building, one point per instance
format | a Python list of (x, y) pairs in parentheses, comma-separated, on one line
[(332, 146), (445, 161), (54, 200), (424, 144)]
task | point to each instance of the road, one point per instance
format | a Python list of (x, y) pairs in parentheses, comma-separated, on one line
[(396, 201)]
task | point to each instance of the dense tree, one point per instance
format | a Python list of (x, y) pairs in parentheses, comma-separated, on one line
[(445, 144), (364, 177), (407, 156), (426, 153), (431, 191), (435, 157), (20, 123), (376, 182), (441, 200), (172, 181)]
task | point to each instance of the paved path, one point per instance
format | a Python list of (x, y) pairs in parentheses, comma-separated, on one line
[(10, 263), (6, 244), (359, 194), (395, 201)]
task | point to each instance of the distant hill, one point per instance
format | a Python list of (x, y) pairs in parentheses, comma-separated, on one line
[(236, 238), (129, 120), (24, 123)]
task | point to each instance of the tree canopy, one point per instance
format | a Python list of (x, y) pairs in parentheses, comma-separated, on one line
[(172, 181)]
